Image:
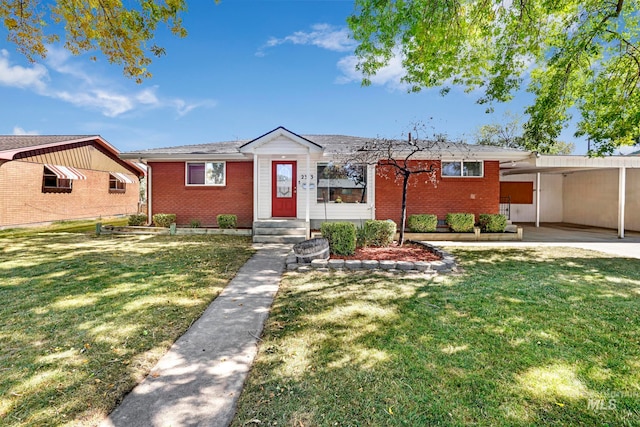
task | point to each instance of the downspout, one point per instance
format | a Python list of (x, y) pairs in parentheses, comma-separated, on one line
[(622, 185), (537, 199), (149, 195)]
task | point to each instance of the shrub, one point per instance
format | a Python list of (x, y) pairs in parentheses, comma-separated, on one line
[(164, 220), (361, 237), (379, 233), (140, 219), (461, 222), (422, 223), (194, 223), (492, 223), (227, 221), (341, 237)]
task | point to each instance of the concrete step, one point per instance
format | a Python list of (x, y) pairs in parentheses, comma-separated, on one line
[(298, 231), (278, 239), (280, 223)]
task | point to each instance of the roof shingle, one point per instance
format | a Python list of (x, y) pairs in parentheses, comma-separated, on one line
[(330, 143), (17, 142)]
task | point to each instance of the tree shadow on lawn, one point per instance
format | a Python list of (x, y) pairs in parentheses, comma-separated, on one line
[(521, 337), (85, 318)]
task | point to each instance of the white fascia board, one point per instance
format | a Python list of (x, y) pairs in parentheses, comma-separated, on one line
[(588, 162)]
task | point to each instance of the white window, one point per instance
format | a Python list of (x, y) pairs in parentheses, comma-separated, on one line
[(340, 183), (206, 173), (460, 168)]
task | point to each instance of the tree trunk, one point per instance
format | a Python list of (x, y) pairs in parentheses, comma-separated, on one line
[(403, 218)]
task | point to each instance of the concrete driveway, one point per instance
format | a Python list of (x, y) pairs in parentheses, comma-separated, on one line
[(577, 236)]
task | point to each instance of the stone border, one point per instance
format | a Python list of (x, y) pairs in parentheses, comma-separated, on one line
[(173, 230), (447, 264)]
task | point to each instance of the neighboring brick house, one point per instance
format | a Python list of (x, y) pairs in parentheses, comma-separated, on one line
[(64, 177), (285, 175)]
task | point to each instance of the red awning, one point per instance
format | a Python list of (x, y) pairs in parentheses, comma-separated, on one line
[(65, 172), (122, 177)]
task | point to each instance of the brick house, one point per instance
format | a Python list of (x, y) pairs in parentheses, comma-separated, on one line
[(282, 179), (54, 178)]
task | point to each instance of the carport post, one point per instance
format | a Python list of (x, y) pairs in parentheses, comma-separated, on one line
[(538, 199), (622, 184)]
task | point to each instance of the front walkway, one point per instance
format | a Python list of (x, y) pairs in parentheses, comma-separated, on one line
[(198, 382), (577, 236)]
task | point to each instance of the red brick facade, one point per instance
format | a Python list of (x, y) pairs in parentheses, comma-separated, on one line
[(449, 195), (23, 201), (202, 203)]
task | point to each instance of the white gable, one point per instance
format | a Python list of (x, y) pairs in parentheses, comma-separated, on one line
[(280, 141)]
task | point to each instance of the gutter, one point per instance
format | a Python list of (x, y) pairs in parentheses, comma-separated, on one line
[(182, 157), (149, 193)]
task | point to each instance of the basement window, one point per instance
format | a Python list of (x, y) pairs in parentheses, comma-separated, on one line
[(462, 169)]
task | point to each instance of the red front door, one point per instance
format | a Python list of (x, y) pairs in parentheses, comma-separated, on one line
[(283, 189)]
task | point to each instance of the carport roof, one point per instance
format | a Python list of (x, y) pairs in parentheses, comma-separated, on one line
[(565, 164)]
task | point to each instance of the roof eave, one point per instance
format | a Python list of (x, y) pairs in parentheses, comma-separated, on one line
[(280, 131), (173, 157), (9, 154)]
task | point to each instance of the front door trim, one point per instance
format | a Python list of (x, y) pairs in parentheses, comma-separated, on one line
[(283, 189)]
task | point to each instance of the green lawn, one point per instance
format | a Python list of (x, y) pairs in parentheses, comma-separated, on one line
[(83, 318), (520, 337)]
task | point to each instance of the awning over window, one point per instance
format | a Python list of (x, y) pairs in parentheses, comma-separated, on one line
[(65, 172), (121, 177)]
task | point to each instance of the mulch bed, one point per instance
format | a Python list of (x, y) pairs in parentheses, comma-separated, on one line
[(407, 252)]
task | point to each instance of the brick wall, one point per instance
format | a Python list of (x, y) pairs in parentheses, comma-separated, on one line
[(22, 201), (450, 195), (171, 195)]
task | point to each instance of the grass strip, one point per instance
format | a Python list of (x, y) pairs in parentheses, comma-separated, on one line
[(521, 337), (84, 318)]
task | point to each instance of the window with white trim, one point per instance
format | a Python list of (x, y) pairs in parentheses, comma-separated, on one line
[(341, 183), (462, 168), (206, 173)]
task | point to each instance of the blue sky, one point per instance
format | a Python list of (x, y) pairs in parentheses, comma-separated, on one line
[(245, 68)]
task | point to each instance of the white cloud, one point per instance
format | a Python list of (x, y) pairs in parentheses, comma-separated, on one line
[(337, 39), (59, 60), (148, 97), (109, 103), (324, 36), (389, 76), (74, 86), (34, 77), (183, 108), (17, 130)]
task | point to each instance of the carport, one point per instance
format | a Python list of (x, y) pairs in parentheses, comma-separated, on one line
[(599, 192)]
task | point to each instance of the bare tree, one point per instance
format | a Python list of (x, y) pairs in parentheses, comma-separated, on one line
[(407, 157)]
